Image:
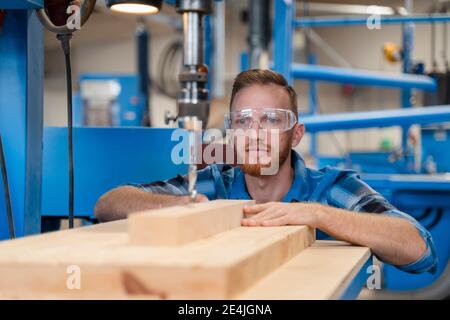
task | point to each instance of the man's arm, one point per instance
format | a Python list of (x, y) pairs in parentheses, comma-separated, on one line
[(393, 240), (119, 202)]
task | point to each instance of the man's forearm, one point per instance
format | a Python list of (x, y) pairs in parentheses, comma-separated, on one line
[(118, 203), (393, 240)]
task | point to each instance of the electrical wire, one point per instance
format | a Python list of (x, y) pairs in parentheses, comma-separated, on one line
[(65, 44), (340, 148), (9, 213), (425, 214), (436, 220)]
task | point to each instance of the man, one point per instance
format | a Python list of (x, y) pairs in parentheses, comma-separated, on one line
[(336, 202)]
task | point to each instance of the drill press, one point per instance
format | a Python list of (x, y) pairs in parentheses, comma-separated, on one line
[(193, 103)]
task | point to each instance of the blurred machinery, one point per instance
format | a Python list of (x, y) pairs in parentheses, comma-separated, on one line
[(107, 100), (415, 178), (106, 157), (123, 103)]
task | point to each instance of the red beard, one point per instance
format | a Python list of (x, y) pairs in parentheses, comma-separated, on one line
[(255, 169)]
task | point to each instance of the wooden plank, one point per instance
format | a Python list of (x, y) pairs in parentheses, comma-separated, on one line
[(323, 271), (220, 266), (179, 225)]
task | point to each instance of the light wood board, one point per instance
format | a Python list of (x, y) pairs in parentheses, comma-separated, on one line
[(183, 224), (323, 271), (220, 266)]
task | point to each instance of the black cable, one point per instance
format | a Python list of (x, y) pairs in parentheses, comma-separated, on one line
[(9, 213), (346, 155), (65, 44), (436, 220), (433, 47), (424, 215)]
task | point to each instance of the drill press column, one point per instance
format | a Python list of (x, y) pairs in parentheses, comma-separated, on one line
[(193, 103)]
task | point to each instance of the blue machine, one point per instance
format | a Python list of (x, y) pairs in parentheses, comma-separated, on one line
[(109, 100), (36, 163), (104, 158), (426, 197), (21, 112)]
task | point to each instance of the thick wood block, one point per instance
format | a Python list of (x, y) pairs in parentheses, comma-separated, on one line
[(323, 271), (218, 267), (182, 224)]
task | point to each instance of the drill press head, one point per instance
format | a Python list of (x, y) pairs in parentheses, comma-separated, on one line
[(193, 98)]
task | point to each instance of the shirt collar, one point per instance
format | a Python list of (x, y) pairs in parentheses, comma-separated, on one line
[(296, 191)]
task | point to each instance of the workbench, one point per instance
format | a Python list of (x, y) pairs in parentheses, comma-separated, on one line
[(225, 261)]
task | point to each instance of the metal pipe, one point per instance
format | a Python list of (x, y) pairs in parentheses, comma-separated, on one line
[(362, 77), (259, 33), (142, 44), (283, 37), (408, 30), (219, 50), (376, 119), (362, 21), (193, 53)]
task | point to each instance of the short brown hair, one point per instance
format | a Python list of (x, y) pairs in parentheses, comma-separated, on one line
[(263, 77)]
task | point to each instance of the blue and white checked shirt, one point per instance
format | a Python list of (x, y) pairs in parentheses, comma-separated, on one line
[(330, 186)]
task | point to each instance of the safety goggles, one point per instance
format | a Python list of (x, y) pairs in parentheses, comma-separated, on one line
[(267, 118)]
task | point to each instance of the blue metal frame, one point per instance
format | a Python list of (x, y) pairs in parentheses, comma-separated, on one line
[(21, 4), (282, 33), (362, 77), (353, 290), (408, 31), (285, 24), (372, 119), (362, 21), (104, 159), (21, 114)]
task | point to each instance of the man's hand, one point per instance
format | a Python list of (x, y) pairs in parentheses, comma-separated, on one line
[(279, 214)]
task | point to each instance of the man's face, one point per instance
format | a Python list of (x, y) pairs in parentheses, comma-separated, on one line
[(264, 148)]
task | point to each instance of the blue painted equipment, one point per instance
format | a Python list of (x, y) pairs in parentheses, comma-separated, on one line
[(362, 77), (436, 148), (21, 4), (373, 119), (21, 105), (362, 21), (110, 100), (425, 197), (104, 158)]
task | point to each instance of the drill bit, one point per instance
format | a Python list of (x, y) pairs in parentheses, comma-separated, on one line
[(194, 127), (192, 171)]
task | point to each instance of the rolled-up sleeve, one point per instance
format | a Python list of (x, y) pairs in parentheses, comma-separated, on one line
[(428, 261), (173, 186), (351, 193), (213, 181)]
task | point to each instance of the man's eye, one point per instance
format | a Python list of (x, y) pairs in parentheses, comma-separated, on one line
[(240, 120), (271, 118)]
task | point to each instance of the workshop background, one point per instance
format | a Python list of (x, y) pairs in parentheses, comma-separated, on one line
[(395, 75)]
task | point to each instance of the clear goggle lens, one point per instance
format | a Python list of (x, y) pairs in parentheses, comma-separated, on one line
[(266, 118)]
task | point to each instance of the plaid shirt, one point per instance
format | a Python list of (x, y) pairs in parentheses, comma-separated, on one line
[(330, 186)]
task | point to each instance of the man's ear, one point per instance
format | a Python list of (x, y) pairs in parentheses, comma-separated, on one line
[(299, 131)]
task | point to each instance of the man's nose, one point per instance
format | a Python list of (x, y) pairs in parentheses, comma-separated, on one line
[(255, 125)]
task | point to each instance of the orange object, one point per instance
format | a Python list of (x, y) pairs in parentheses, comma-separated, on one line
[(392, 52)]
